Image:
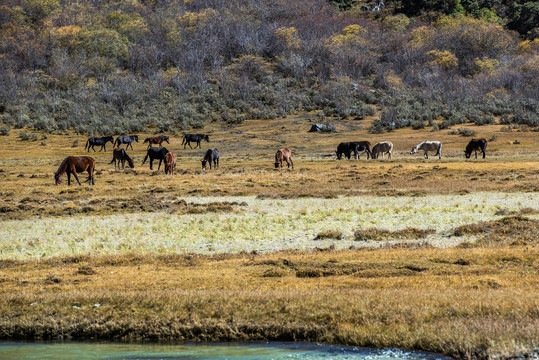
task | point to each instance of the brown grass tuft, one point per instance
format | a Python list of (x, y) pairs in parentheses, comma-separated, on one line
[(380, 234), (329, 234), (508, 230)]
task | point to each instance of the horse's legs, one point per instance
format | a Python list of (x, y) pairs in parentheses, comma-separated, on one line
[(292, 163), (159, 167), (198, 144), (189, 143), (75, 175), (151, 163), (426, 155)]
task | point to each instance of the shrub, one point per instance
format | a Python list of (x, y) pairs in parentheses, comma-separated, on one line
[(462, 132), (4, 130), (24, 136), (484, 120)]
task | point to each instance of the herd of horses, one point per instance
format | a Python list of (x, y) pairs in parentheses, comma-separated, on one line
[(72, 165)]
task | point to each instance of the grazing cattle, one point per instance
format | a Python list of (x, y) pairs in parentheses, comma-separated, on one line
[(428, 146), (158, 140), (346, 148), (155, 153), (211, 155), (362, 146), (126, 140), (120, 156), (74, 165), (91, 142), (188, 138), (170, 163), (384, 147), (284, 155), (475, 145)]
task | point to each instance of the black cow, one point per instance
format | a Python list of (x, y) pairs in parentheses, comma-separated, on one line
[(187, 138), (211, 155), (155, 153), (475, 145), (91, 142)]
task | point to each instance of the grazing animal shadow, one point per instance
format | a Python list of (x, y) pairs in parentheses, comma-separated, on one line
[(284, 154), (188, 138), (99, 141), (120, 156), (476, 145), (74, 165), (211, 155), (155, 153)]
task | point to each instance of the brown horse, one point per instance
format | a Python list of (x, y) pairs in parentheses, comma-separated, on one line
[(170, 163), (284, 155), (74, 164), (158, 140), (121, 156)]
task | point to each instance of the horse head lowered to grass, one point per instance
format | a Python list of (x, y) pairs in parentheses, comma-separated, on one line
[(74, 165)]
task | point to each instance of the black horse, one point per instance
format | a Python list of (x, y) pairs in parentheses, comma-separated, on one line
[(362, 146), (93, 141), (211, 155), (475, 145), (346, 148), (187, 138), (155, 153), (126, 140)]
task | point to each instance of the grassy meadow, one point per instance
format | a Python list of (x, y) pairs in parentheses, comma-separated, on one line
[(427, 254)]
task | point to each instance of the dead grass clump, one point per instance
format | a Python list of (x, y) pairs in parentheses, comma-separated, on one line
[(525, 211), (86, 270), (329, 234), (508, 230), (380, 234)]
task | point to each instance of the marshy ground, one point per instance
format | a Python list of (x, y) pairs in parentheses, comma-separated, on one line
[(437, 255)]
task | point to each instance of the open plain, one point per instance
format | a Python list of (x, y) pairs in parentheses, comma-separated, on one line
[(427, 254)]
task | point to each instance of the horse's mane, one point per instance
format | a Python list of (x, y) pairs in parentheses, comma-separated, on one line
[(62, 168)]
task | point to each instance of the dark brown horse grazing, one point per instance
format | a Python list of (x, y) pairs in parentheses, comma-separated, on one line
[(121, 156), (475, 145), (211, 155), (170, 163), (158, 140), (283, 155), (73, 165)]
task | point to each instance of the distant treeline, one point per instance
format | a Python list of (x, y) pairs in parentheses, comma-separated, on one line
[(116, 67)]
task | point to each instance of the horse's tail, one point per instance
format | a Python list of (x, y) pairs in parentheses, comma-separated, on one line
[(146, 157), (146, 140), (184, 140), (87, 144)]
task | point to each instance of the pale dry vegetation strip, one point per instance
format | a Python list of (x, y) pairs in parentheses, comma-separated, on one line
[(253, 224)]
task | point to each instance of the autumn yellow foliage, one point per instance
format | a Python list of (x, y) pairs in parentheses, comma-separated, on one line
[(289, 36), (444, 59)]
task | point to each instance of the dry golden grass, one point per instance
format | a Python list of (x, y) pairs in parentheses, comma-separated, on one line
[(468, 303)]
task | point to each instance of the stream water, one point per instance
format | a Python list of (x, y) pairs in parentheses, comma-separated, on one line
[(258, 351)]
